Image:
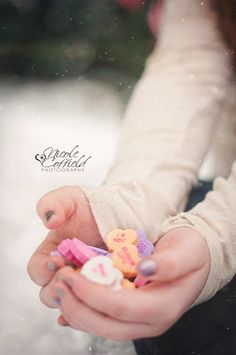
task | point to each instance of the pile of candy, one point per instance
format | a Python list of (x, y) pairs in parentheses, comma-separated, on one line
[(117, 266)]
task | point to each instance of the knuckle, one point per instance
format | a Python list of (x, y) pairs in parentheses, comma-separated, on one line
[(31, 273), (39, 204), (117, 310), (169, 316), (46, 299), (172, 267)]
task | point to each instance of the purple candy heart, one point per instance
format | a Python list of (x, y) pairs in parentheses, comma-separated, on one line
[(55, 253), (99, 251), (145, 247)]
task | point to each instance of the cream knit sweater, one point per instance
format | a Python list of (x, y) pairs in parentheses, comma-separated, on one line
[(181, 111)]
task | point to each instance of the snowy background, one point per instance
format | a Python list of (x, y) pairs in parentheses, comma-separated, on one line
[(34, 116)]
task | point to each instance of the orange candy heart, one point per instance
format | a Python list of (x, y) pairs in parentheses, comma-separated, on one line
[(125, 259), (119, 237), (127, 284)]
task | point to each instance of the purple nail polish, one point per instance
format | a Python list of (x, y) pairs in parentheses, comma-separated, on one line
[(147, 267), (48, 215), (52, 266), (57, 300), (59, 292)]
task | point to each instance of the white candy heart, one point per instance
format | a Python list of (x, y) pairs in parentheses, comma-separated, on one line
[(100, 270), (119, 277)]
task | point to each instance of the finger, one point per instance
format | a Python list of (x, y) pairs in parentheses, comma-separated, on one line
[(125, 304), (47, 295), (82, 317), (178, 253), (56, 206), (41, 266), (62, 321)]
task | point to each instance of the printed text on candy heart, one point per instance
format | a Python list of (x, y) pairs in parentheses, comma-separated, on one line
[(126, 257), (100, 269), (120, 238)]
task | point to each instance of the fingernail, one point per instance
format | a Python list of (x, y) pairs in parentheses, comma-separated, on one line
[(68, 281), (52, 266), (57, 300), (48, 215), (59, 277), (147, 267), (59, 292)]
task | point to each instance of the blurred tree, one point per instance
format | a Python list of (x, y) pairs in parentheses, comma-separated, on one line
[(57, 38)]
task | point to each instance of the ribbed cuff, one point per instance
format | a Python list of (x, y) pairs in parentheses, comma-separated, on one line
[(215, 280), (127, 206), (99, 200)]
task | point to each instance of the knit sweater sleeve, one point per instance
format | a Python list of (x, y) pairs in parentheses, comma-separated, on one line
[(168, 124)]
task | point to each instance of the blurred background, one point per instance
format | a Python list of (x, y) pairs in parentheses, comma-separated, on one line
[(49, 39), (67, 69)]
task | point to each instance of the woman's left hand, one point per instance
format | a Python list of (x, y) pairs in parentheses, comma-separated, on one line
[(182, 267)]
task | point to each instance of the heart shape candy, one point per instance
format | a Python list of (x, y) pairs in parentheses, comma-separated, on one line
[(118, 282), (140, 281), (125, 259), (100, 251), (120, 237), (145, 247), (100, 270), (127, 284), (81, 251), (64, 248)]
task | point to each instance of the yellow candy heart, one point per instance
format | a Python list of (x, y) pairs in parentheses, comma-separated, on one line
[(127, 284), (125, 259), (119, 237)]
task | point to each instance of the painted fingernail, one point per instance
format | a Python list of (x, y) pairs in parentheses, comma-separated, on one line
[(48, 215), (59, 292), (52, 266), (57, 300), (147, 267), (59, 277), (68, 281)]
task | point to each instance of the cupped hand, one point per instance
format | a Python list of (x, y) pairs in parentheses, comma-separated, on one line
[(67, 214), (181, 266)]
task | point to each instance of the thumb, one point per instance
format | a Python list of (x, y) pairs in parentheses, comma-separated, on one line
[(180, 252), (56, 206)]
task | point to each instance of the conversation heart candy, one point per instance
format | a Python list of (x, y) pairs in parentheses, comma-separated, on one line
[(119, 278), (100, 269), (127, 284), (145, 247), (120, 237), (81, 251), (55, 253), (64, 248), (99, 251), (125, 259), (140, 281)]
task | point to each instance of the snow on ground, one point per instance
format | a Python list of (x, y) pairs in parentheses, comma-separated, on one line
[(35, 116)]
